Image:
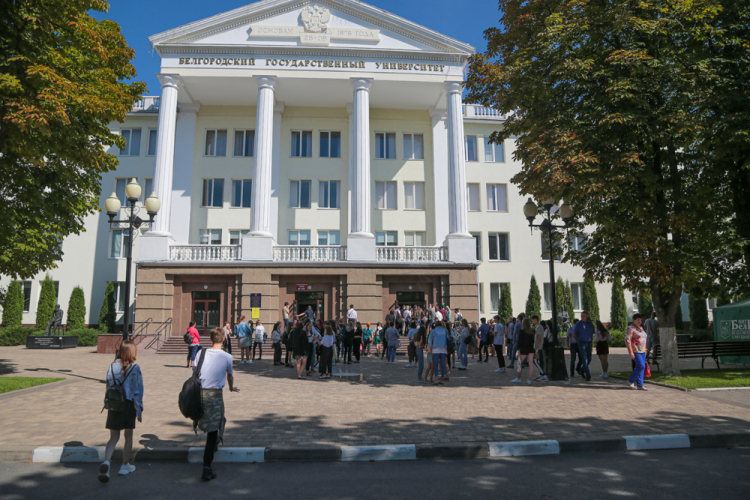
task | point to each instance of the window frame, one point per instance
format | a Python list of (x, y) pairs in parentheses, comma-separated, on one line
[(496, 236), (414, 238), (241, 233), (478, 197), (494, 187), (412, 136), (212, 193), (386, 150), (298, 233), (123, 243), (466, 147), (329, 145), (386, 198), (155, 141), (300, 143), (119, 296), (577, 242), (478, 241), (481, 298), (24, 290), (129, 141), (385, 238), (118, 191), (493, 150), (242, 183), (499, 287), (298, 200), (325, 184), (210, 232), (577, 289), (547, 290), (634, 296), (413, 185), (146, 190), (328, 232), (216, 143), (245, 143), (558, 250)]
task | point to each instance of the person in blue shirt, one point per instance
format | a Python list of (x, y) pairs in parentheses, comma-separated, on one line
[(583, 333), (484, 328)]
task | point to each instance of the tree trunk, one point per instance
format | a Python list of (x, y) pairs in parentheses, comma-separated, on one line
[(665, 306)]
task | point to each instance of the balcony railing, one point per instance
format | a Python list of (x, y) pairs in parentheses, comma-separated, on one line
[(412, 254), (205, 253), (146, 103), (478, 112), (306, 253)]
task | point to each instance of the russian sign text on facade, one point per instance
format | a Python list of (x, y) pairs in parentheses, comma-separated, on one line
[(310, 64)]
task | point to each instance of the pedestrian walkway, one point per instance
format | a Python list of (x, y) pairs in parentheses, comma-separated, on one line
[(370, 403)]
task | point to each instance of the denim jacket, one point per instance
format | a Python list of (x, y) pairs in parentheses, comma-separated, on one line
[(438, 338), (133, 384)]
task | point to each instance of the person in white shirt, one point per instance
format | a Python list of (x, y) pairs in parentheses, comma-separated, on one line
[(326, 353), (258, 338), (438, 316), (351, 314), (498, 342), (215, 370)]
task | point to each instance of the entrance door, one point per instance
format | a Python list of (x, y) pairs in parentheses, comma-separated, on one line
[(312, 299), (411, 299), (206, 312)]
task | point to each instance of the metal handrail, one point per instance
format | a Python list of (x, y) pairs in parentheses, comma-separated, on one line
[(166, 328)]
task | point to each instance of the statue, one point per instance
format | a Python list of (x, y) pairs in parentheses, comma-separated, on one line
[(56, 322)]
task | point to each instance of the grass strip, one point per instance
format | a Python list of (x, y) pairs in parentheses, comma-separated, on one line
[(8, 384), (701, 379)]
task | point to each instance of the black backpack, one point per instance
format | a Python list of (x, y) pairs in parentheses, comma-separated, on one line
[(114, 398), (187, 338), (190, 400), (451, 343)]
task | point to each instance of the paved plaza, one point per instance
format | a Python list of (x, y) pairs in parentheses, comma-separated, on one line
[(370, 403)]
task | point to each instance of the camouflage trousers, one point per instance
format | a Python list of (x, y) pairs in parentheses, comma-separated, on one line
[(213, 412)]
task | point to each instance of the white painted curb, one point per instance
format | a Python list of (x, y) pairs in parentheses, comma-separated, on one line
[(657, 442), (367, 453), (229, 455), (61, 454), (524, 448)]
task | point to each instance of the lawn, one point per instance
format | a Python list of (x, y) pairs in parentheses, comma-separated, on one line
[(8, 384), (702, 379)]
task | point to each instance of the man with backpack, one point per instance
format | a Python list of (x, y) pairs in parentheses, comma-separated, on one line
[(213, 370)]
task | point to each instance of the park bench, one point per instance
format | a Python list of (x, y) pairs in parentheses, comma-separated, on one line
[(705, 350)]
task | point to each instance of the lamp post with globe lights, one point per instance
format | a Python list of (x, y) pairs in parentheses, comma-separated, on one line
[(530, 211), (112, 207)]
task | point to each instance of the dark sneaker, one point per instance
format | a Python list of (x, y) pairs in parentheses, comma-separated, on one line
[(208, 474)]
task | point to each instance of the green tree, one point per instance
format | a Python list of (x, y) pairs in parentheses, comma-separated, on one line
[(568, 301), (679, 323), (619, 311), (13, 305), (590, 299), (47, 302), (645, 306), (76, 310), (534, 301), (698, 313), (603, 98), (64, 76), (108, 314), (506, 305)]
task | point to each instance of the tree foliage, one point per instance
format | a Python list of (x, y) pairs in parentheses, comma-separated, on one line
[(698, 313), (63, 78), (47, 302), (645, 306), (534, 301), (590, 299), (568, 301), (76, 310), (108, 313), (619, 310), (679, 323), (13, 305), (606, 100), (506, 305)]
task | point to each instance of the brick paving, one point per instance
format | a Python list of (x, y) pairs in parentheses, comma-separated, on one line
[(375, 404)]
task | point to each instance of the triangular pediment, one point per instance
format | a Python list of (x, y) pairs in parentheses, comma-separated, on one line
[(336, 24)]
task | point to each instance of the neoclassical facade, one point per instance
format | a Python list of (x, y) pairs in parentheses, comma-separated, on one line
[(311, 151)]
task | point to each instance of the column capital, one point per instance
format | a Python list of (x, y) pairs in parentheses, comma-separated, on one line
[(453, 87), (173, 81), (438, 114), (278, 108), (266, 82), (361, 84), (189, 108)]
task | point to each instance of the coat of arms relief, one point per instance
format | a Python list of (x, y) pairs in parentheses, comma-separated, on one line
[(315, 18)]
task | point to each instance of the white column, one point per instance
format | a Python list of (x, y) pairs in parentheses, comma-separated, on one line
[(459, 242), (258, 243), (440, 173), (184, 155), (360, 241), (155, 243), (278, 110)]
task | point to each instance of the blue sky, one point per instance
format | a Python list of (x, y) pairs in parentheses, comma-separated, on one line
[(139, 19)]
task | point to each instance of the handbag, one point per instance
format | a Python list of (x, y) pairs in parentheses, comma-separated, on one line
[(647, 372)]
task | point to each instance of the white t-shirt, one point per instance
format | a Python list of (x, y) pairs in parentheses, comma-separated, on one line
[(351, 314), (215, 368), (499, 337), (259, 331), (438, 316)]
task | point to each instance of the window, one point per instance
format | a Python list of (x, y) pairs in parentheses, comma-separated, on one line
[(385, 195), (242, 192), (57, 290), (119, 296), (299, 194), (495, 293), (385, 146), (577, 242), (298, 237), (235, 236), (478, 241), (302, 143), (330, 144), (634, 298), (148, 188), (547, 297), (386, 238), (216, 143), (497, 198), (499, 246), (493, 153), (414, 195), (26, 285), (329, 238), (132, 141), (329, 194), (120, 185), (151, 142), (472, 196), (711, 304), (120, 243), (213, 192), (244, 142), (413, 147), (577, 291), (481, 297), (415, 239), (210, 237), (471, 148), (545, 249)]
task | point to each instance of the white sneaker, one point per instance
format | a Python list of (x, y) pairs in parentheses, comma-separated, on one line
[(544, 379), (606, 375), (407, 365), (516, 381), (528, 381), (126, 469), (602, 375), (499, 370)]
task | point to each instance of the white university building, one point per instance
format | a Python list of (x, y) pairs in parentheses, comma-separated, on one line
[(317, 151)]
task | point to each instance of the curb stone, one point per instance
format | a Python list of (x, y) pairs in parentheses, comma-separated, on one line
[(683, 389), (91, 454)]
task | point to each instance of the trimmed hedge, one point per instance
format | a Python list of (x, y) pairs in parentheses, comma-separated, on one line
[(86, 336), (16, 335), (618, 338), (13, 306)]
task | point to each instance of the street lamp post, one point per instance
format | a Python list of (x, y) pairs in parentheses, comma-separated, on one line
[(112, 207), (530, 211)]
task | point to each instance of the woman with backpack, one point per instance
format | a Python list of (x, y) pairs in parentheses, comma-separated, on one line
[(124, 403)]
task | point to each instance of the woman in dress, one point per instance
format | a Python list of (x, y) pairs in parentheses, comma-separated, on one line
[(603, 339), (635, 341), (525, 350), (299, 349)]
